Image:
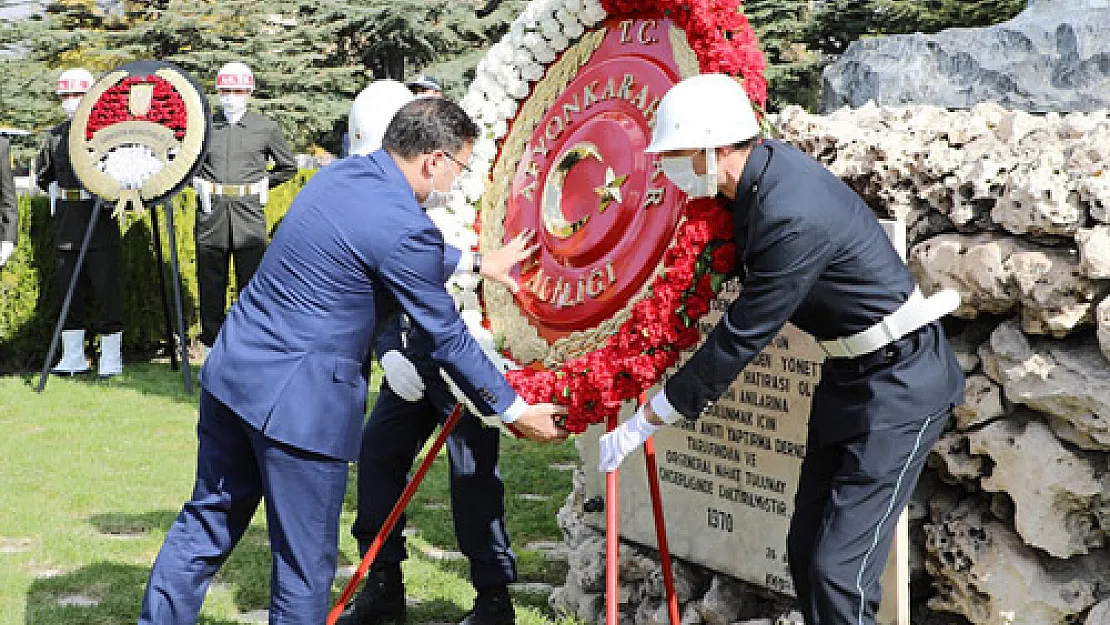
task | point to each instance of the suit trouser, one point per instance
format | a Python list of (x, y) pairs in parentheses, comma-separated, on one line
[(100, 274), (212, 272), (394, 434), (850, 495), (236, 468)]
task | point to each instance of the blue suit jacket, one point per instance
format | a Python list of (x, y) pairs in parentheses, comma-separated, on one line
[(354, 248)]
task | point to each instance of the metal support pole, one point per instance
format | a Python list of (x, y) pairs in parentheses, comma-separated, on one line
[(176, 275), (612, 540), (394, 515), (160, 259)]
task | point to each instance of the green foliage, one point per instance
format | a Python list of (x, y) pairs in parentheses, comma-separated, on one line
[(29, 302), (793, 72)]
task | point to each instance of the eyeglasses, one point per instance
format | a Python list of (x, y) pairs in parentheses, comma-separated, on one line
[(462, 166)]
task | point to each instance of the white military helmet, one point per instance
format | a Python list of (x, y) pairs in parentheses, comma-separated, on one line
[(373, 109), (235, 75), (704, 111), (76, 80)]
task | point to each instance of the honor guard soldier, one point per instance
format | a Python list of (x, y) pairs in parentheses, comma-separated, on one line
[(810, 251), (9, 204), (231, 193), (71, 207)]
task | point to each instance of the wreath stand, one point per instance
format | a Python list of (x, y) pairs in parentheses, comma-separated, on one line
[(176, 281), (612, 533), (394, 515)]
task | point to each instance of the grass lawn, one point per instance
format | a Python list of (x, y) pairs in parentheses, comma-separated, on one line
[(92, 475)]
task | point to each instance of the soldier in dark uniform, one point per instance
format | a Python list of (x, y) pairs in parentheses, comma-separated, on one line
[(71, 207), (231, 191), (810, 251), (9, 206), (414, 399)]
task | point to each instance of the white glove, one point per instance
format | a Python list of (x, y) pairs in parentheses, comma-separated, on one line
[(6, 249), (615, 445), (402, 376)]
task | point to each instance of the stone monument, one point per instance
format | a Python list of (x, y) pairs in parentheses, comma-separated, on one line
[(1054, 56)]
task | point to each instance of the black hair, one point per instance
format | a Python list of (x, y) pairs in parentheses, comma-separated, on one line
[(429, 124)]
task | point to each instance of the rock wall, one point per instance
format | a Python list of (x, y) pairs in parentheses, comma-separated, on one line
[(1011, 522), (1054, 56)]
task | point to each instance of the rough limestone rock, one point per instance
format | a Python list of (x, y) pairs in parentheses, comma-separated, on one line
[(1068, 382), (1099, 615), (1102, 315), (981, 569), (722, 602), (1054, 56), (1055, 490), (982, 402), (995, 274), (1094, 251)]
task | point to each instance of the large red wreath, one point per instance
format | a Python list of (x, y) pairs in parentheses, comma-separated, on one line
[(660, 327)]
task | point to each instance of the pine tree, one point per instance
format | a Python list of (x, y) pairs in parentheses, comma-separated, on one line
[(780, 26)]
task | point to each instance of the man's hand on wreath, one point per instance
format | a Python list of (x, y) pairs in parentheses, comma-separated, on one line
[(614, 446), (498, 264), (540, 423)]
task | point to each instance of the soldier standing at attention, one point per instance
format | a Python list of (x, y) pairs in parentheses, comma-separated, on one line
[(71, 207), (231, 192)]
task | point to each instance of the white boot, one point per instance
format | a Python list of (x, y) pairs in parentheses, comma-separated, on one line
[(73, 353), (111, 358)]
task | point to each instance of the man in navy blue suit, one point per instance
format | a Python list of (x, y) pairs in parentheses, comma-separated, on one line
[(810, 251), (284, 387)]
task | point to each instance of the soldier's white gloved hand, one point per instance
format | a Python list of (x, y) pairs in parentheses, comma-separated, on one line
[(6, 249), (402, 376), (615, 445)]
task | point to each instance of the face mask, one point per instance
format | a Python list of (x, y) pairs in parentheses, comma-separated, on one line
[(440, 199), (680, 171), (234, 105), (69, 106)]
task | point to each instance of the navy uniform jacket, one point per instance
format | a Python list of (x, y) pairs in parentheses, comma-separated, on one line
[(239, 154), (9, 205), (71, 218), (811, 252), (354, 248)]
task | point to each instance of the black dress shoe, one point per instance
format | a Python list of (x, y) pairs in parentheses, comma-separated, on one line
[(381, 602), (491, 607)]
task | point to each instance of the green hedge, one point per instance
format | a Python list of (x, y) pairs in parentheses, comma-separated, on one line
[(29, 305)]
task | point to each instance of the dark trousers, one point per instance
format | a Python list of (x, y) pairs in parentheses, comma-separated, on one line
[(212, 272), (853, 488), (236, 468), (394, 434), (100, 275)]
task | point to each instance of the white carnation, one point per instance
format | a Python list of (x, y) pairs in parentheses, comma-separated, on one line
[(571, 26), (507, 107), (500, 129), (560, 43), (531, 71), (551, 28)]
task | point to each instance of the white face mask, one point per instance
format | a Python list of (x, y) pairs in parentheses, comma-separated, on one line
[(440, 199), (233, 104), (69, 106), (680, 171)]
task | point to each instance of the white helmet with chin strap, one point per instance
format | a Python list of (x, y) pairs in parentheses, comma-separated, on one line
[(74, 81), (373, 109), (704, 111)]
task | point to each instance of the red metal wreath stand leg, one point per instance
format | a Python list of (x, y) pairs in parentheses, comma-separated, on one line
[(394, 515), (612, 534)]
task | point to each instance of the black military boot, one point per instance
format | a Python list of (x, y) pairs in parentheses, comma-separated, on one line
[(382, 600), (493, 606)]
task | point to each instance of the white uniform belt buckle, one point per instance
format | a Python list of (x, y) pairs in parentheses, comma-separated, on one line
[(72, 195), (915, 313), (231, 190)]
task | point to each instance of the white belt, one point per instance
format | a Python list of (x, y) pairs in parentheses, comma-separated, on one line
[(916, 312), (238, 190)]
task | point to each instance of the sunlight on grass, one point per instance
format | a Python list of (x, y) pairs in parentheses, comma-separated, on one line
[(92, 475)]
